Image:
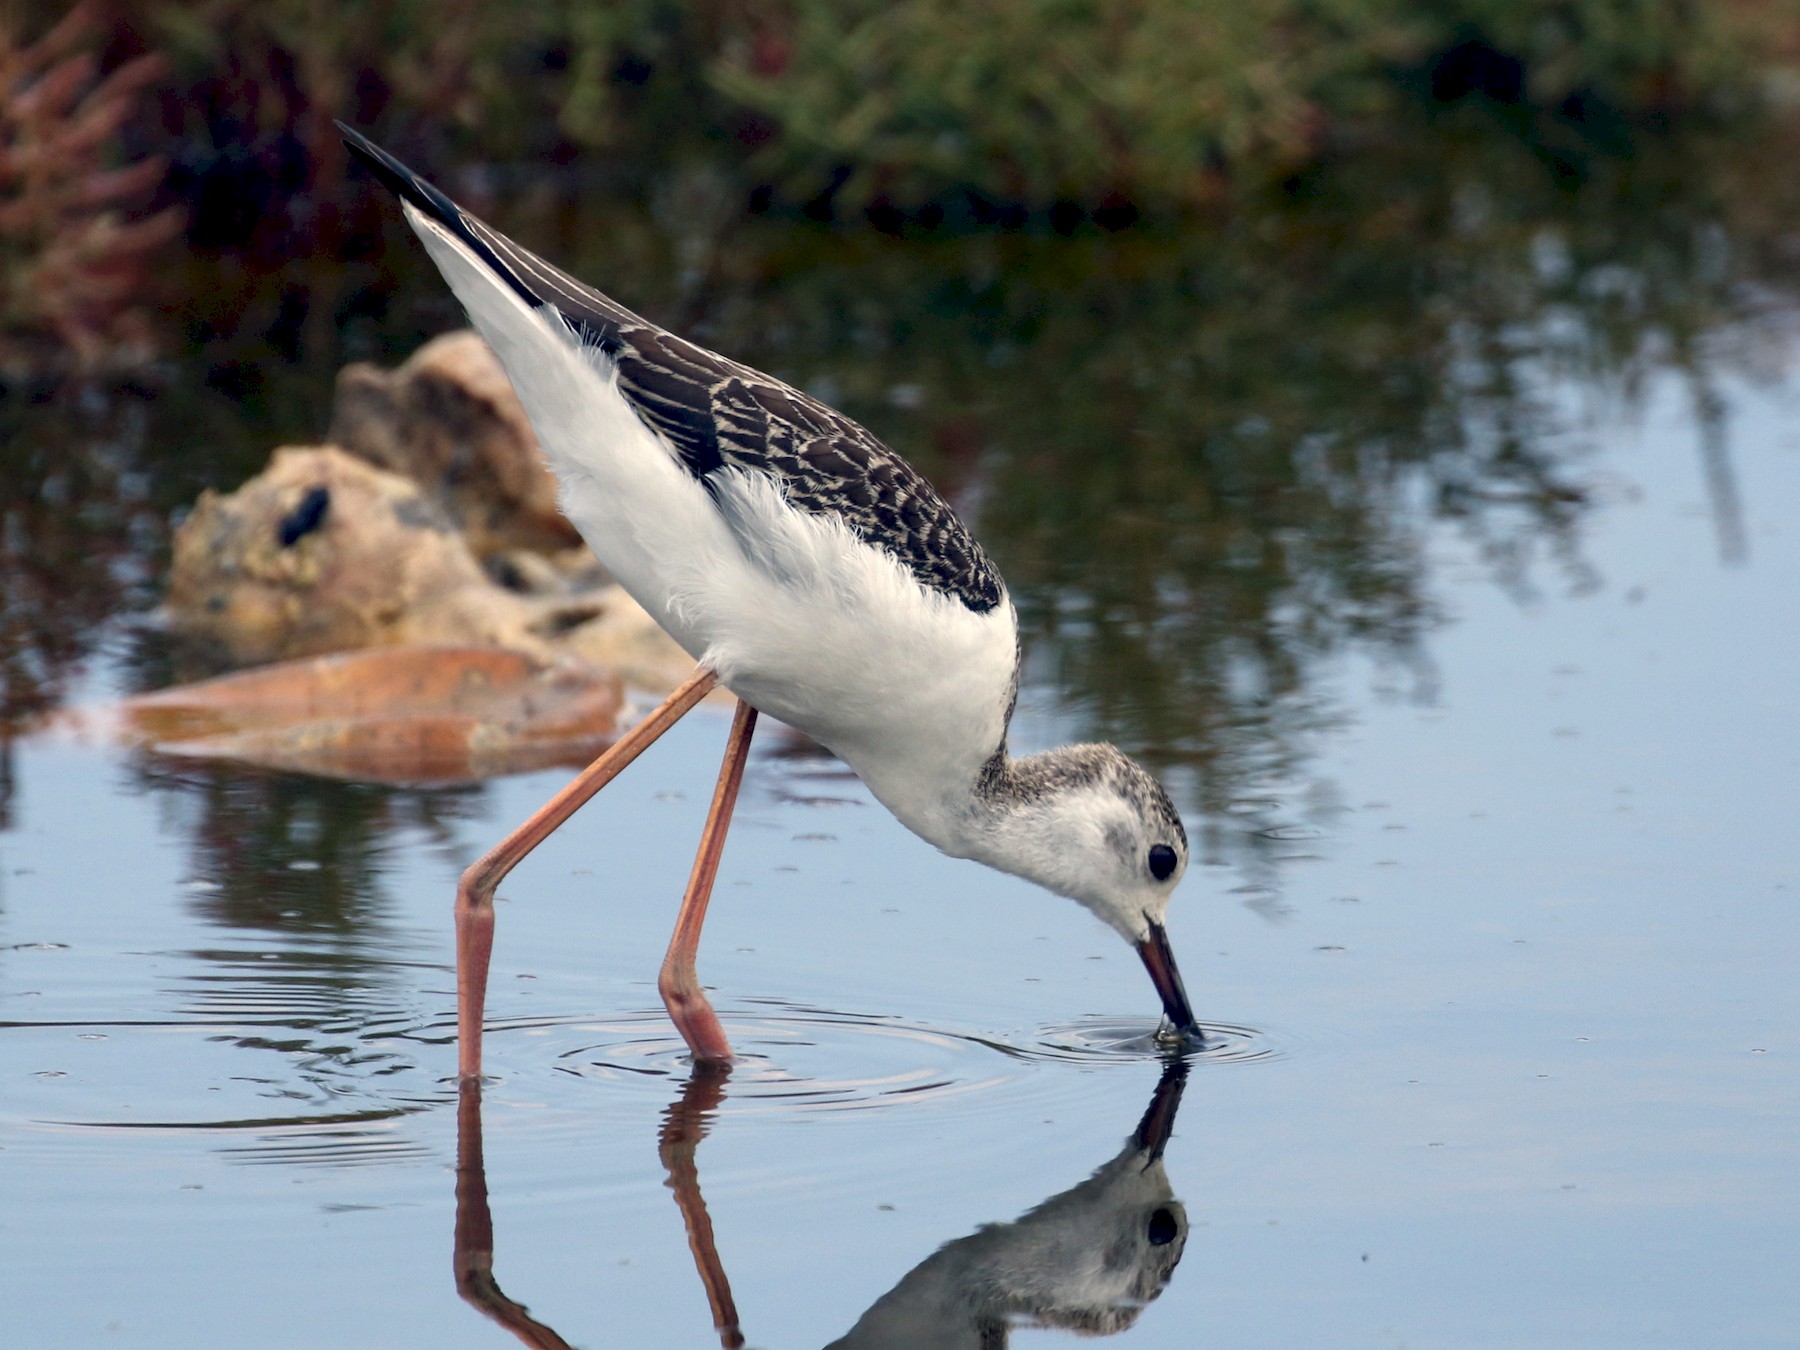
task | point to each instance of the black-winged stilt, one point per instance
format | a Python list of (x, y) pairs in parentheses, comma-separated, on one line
[(812, 572)]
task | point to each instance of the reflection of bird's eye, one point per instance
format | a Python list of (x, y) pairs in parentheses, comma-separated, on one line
[(1162, 1228)]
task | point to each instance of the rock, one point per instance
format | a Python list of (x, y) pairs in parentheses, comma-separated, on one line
[(449, 418), (570, 571), (410, 714), (323, 552)]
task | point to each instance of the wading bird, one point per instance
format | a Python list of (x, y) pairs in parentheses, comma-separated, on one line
[(813, 573)]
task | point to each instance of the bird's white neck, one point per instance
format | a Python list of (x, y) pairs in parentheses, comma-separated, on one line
[(1078, 821), (1010, 813), (1021, 815)]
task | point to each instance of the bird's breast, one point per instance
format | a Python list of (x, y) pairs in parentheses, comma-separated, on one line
[(828, 633)]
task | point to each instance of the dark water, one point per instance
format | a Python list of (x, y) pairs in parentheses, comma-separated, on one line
[(1431, 528)]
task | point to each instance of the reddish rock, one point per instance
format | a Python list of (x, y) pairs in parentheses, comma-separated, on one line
[(410, 714)]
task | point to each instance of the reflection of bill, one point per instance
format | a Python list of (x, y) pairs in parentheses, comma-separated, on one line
[(1086, 1260)]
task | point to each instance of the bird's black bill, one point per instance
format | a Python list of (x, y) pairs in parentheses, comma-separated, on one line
[(1159, 960)]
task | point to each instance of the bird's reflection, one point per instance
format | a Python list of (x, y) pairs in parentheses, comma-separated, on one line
[(1086, 1260), (684, 1125), (474, 1259)]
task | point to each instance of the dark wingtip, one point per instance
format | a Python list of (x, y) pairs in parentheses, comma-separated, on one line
[(409, 187), (399, 179)]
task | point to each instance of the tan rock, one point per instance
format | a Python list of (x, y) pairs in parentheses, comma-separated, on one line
[(449, 418), (322, 552), (567, 572)]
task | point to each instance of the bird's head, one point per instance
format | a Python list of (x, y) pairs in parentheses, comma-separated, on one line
[(1089, 822)]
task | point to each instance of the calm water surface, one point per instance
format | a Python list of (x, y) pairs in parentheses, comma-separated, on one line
[(1481, 708)]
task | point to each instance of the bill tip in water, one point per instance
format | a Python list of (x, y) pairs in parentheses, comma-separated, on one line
[(1181, 1039), (1159, 960)]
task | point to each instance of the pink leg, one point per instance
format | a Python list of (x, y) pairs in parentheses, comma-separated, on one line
[(680, 986), (475, 892)]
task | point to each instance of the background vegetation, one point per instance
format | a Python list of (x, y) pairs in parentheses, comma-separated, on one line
[(1158, 104), (923, 114), (1205, 311)]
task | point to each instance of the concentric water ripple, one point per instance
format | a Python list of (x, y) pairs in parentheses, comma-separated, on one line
[(1108, 1039), (798, 1059), (360, 1087)]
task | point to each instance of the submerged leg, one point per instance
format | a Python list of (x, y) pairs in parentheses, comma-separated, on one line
[(680, 986), (475, 892)]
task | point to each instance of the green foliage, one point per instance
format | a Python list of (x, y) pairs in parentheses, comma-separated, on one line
[(1164, 103), (1035, 100), (1159, 101), (1630, 54)]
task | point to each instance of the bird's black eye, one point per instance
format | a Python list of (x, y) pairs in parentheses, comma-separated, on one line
[(1162, 861), (1163, 1228)]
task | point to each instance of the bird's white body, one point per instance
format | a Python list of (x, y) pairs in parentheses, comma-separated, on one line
[(799, 617)]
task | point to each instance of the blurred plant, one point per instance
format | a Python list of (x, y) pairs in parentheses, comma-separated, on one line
[(74, 269), (1660, 56), (1140, 106), (1029, 101), (1162, 103)]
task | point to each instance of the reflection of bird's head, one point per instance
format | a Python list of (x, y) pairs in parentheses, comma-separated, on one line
[(1086, 1260), (1089, 1259)]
